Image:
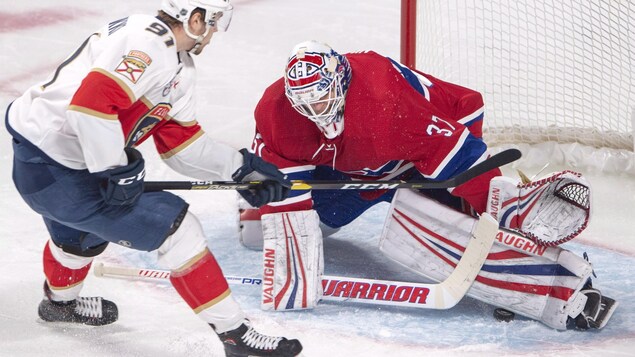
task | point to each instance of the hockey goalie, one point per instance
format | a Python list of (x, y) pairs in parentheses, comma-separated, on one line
[(371, 118)]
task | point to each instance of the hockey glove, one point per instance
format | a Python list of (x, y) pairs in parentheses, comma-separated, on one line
[(549, 211), (274, 187), (124, 185)]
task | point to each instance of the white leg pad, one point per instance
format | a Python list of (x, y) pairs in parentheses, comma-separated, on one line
[(249, 225), (250, 228), (539, 282), (293, 261), (187, 242)]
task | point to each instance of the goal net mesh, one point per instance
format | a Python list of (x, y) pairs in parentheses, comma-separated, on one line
[(549, 71)]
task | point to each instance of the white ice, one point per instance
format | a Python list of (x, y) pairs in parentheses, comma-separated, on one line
[(35, 36)]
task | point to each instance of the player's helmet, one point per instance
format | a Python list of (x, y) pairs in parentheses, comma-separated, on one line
[(316, 81), (218, 14)]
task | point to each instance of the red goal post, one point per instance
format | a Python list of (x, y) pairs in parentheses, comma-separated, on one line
[(555, 75)]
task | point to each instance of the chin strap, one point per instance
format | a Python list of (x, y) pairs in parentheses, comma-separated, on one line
[(199, 39)]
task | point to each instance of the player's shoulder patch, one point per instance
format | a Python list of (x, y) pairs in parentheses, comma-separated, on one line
[(133, 65)]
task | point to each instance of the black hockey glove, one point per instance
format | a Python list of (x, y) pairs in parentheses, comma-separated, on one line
[(275, 185), (123, 185)]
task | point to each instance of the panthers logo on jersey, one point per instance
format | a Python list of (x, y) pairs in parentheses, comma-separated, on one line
[(147, 123)]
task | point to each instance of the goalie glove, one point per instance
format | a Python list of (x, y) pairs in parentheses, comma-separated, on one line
[(549, 211)]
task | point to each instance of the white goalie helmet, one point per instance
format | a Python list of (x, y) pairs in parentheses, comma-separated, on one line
[(218, 14), (316, 81)]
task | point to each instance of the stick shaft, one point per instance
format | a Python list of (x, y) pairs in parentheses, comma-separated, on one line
[(443, 295), (498, 160), (336, 288)]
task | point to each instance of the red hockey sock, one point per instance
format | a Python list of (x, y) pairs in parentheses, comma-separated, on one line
[(201, 284), (60, 276)]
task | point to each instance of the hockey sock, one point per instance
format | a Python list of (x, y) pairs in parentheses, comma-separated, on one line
[(203, 287), (65, 273)]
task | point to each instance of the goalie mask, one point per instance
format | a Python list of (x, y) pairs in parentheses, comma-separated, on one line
[(316, 80), (218, 15)]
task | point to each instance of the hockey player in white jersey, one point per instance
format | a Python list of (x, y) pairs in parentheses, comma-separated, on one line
[(75, 164)]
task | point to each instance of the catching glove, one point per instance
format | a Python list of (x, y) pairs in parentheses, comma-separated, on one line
[(274, 187), (124, 185)]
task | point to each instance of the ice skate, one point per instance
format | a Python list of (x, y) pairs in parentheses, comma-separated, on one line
[(246, 341), (94, 311), (597, 310)]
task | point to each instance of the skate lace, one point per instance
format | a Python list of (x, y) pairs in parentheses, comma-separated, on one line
[(254, 339), (88, 306)]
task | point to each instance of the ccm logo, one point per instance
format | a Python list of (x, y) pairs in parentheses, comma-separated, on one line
[(369, 186), (132, 179)]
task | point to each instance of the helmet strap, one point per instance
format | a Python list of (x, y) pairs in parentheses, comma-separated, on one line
[(199, 39)]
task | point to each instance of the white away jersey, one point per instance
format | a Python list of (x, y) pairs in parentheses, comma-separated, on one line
[(125, 83)]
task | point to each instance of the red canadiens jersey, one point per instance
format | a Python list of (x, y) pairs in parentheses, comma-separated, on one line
[(125, 83), (394, 119)]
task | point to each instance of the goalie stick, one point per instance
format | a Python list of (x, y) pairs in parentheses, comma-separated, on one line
[(443, 295), (502, 158)]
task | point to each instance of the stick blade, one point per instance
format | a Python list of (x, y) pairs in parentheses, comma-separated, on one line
[(454, 288), (98, 269)]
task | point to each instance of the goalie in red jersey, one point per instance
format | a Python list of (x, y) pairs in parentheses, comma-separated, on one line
[(371, 118)]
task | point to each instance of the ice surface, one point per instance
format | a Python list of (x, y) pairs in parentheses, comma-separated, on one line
[(35, 36)]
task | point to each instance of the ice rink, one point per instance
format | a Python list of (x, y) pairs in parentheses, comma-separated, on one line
[(36, 36)]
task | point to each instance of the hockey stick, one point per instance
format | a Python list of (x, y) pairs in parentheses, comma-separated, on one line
[(443, 295), (498, 160)]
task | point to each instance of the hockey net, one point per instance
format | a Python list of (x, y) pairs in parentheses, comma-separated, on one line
[(556, 76)]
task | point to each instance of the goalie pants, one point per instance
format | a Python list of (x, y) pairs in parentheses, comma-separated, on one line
[(337, 208), (74, 212)]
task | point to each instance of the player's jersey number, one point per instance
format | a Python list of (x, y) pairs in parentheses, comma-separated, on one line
[(434, 129), (160, 30)]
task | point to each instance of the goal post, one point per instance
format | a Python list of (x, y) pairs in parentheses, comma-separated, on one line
[(549, 71)]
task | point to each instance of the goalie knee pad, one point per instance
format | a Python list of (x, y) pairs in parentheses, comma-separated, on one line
[(292, 260), (549, 211), (250, 227), (186, 243), (539, 282)]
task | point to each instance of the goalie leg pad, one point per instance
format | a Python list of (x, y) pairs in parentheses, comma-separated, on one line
[(429, 239), (549, 211), (293, 261), (250, 228)]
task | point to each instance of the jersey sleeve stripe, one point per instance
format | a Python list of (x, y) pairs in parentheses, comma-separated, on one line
[(182, 146), (119, 82), (457, 147), (186, 123), (297, 169), (92, 112), (471, 118)]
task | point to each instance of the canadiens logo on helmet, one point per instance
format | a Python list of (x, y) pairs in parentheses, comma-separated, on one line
[(307, 71), (316, 81)]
